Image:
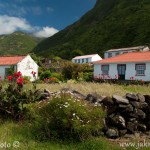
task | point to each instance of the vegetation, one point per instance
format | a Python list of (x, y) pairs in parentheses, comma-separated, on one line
[(110, 24), (17, 43)]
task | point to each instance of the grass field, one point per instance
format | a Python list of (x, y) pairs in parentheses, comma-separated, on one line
[(20, 134), (99, 88)]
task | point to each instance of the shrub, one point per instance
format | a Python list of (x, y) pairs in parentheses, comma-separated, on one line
[(67, 117), (45, 74)]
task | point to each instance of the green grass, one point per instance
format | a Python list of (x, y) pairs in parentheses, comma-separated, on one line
[(22, 133)]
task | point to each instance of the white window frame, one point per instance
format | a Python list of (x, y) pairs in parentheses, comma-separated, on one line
[(140, 69), (105, 69)]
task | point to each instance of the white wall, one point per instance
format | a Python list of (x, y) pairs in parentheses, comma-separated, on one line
[(130, 71), (114, 53), (96, 58), (26, 66), (2, 71), (90, 59)]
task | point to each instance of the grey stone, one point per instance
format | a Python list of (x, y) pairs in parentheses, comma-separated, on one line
[(132, 127), (112, 133), (141, 97), (120, 100), (147, 99), (119, 121), (131, 96), (94, 98), (141, 127), (107, 101), (122, 132)]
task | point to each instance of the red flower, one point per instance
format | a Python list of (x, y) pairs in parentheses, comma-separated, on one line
[(33, 72), (131, 78), (20, 81), (0, 78), (17, 74), (10, 78)]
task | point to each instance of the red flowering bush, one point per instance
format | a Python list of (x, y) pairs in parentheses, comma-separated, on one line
[(14, 99)]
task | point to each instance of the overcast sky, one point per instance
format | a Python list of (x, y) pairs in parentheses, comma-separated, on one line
[(44, 18)]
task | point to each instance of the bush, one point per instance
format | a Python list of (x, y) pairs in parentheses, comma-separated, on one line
[(66, 117), (45, 74)]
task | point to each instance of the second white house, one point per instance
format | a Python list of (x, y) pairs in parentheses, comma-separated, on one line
[(135, 65), (86, 58)]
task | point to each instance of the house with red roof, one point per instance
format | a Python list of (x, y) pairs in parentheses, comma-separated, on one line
[(115, 52), (127, 66), (24, 64), (86, 58)]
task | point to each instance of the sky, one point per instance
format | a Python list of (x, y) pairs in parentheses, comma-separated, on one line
[(43, 18)]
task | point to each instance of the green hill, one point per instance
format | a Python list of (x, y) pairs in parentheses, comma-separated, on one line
[(110, 24), (17, 43)]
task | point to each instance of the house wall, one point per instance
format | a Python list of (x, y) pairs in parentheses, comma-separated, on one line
[(2, 71), (115, 53), (26, 66), (130, 71), (90, 59)]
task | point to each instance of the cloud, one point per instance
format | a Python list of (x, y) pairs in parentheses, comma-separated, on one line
[(46, 32), (9, 24)]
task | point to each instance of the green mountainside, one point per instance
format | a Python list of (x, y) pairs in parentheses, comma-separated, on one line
[(110, 24), (17, 43)]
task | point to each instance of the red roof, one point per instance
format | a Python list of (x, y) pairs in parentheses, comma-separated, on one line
[(127, 57), (10, 60)]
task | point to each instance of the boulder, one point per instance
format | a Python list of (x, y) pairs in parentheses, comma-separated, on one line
[(120, 100), (122, 132), (141, 97), (131, 97), (141, 127), (131, 127), (107, 101), (76, 94), (93, 98), (112, 133), (119, 121), (147, 99)]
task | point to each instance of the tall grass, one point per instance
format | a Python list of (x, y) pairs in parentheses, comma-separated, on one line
[(99, 88)]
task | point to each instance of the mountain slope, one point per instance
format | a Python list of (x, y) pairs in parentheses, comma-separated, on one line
[(17, 43), (110, 24)]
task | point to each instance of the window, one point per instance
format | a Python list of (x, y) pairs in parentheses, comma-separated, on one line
[(78, 60), (75, 60), (109, 55), (117, 53), (82, 60), (140, 69), (105, 69), (86, 60), (7, 71)]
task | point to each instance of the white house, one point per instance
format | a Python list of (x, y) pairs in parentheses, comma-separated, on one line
[(135, 65), (24, 64), (115, 52), (86, 58)]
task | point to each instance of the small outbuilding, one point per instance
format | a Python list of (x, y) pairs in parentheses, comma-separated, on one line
[(135, 65), (24, 64), (86, 58)]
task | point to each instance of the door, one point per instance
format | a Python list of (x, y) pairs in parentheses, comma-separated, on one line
[(122, 71)]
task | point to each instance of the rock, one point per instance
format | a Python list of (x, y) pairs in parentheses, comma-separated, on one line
[(120, 100), (131, 119), (107, 101), (118, 121), (141, 98), (47, 91), (76, 94), (94, 98), (140, 105), (147, 99), (130, 136), (128, 109), (141, 127), (122, 132), (132, 127), (112, 133), (131, 97), (148, 125), (138, 113)]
